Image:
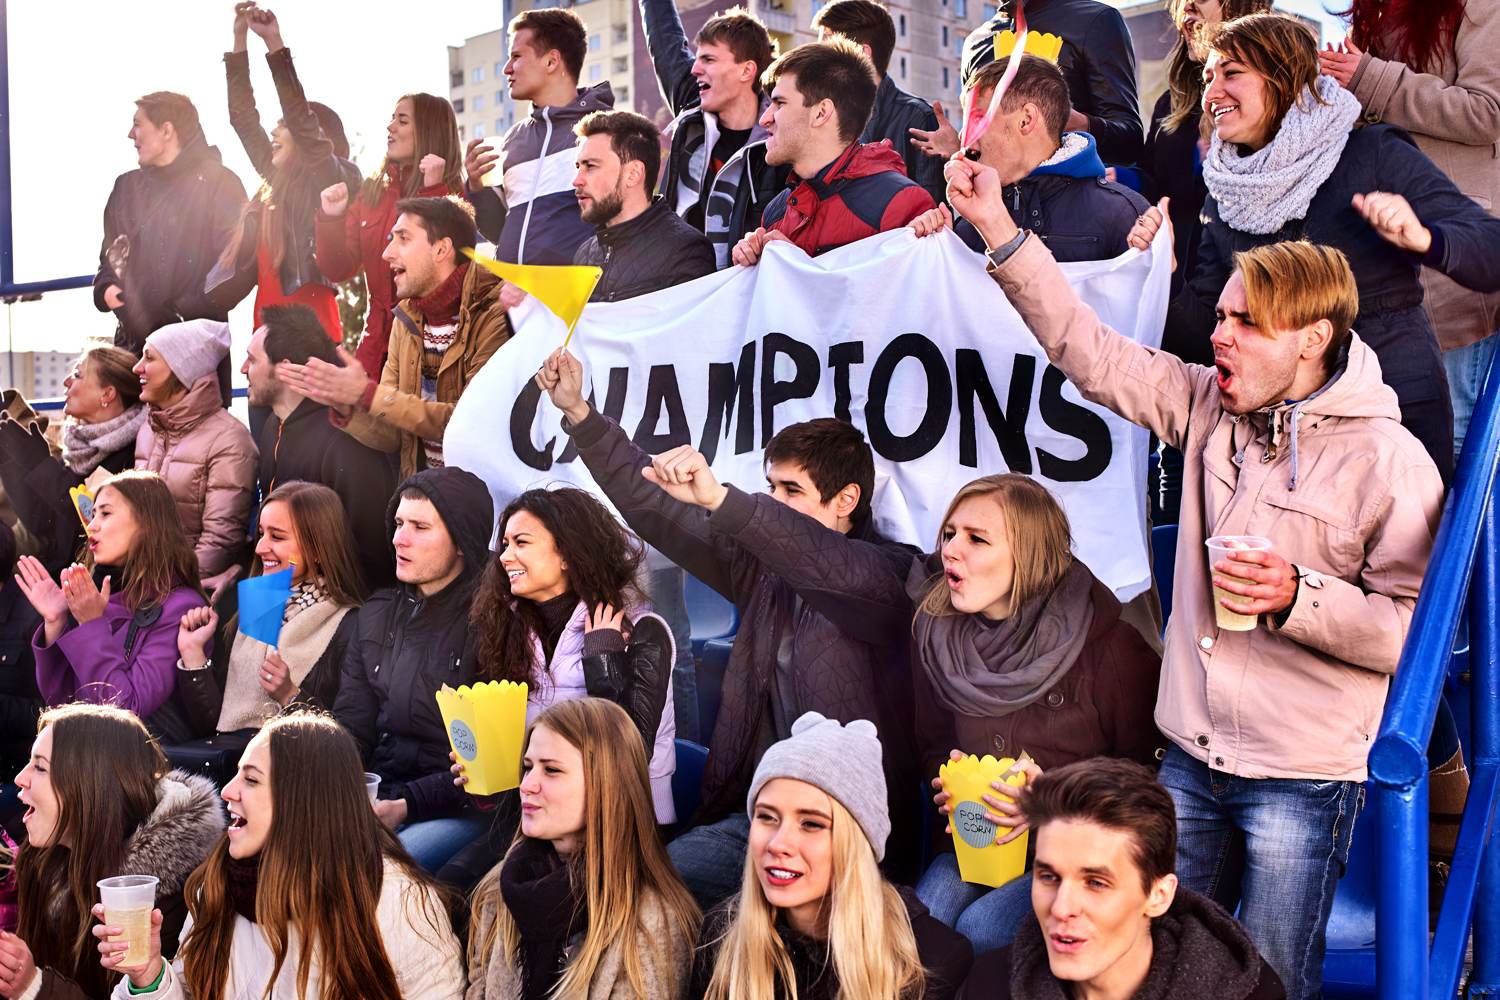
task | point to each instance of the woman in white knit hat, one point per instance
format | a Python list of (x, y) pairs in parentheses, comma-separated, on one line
[(814, 918), (205, 455)]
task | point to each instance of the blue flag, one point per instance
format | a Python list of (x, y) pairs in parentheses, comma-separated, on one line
[(262, 604)]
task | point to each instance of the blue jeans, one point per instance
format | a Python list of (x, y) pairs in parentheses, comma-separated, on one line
[(987, 917), (432, 842), (1466, 368), (1274, 847), (711, 859), (664, 590)]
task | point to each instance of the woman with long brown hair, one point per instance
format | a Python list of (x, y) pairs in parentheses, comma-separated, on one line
[(101, 802), (308, 896), (302, 528), (113, 639), (422, 159), (586, 902)]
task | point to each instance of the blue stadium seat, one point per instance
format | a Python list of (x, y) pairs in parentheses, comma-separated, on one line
[(711, 666), (710, 615), (1163, 558), (687, 780), (1349, 964)]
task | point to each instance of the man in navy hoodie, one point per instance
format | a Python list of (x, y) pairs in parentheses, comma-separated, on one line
[(532, 215)]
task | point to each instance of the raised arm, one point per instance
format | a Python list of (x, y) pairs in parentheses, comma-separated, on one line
[(243, 115), (671, 55), (1115, 109)]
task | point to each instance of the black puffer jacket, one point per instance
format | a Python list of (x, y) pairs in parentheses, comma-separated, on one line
[(895, 114), (1097, 60), (406, 647), (652, 251), (633, 675)]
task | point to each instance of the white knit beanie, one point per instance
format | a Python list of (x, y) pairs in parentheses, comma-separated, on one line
[(192, 349), (844, 761)]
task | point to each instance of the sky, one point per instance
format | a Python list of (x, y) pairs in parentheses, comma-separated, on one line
[(77, 67)]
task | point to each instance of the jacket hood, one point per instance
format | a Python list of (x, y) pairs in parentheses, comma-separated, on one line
[(863, 159), (201, 402), (463, 502), (185, 825), (1078, 156), (599, 97)]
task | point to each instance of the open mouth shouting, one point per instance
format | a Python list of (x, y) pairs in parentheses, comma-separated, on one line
[(1225, 374)]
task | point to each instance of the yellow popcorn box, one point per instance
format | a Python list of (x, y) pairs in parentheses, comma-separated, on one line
[(486, 725), (1044, 44), (980, 860)]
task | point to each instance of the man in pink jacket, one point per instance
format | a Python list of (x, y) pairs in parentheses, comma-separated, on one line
[(1293, 437)]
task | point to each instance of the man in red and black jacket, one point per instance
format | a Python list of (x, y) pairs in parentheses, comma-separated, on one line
[(843, 190)]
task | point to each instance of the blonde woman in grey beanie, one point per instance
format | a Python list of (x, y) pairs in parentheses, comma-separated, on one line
[(814, 918), (205, 455)]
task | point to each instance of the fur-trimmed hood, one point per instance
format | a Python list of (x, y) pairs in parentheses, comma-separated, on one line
[(185, 825)]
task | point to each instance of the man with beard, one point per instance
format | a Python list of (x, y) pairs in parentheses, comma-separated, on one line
[(642, 245)]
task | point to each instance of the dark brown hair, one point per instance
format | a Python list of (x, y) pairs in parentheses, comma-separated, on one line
[(323, 535), (435, 131), (294, 333), (1184, 76), (863, 22), (321, 873), (554, 29), (1280, 48), (1037, 81), (112, 366), (163, 106), (1115, 793), (836, 71), (602, 559), (105, 770), (1416, 32), (160, 558), (743, 34), (449, 218), (834, 453), (632, 137)]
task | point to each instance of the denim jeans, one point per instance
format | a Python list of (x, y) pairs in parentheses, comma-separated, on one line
[(1466, 367), (664, 590), (987, 917), (1274, 847), (711, 859), (432, 842)]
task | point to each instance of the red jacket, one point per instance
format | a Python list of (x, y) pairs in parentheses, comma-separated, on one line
[(863, 192), (354, 241)]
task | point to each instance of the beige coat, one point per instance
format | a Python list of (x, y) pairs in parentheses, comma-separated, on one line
[(1302, 699), (209, 462), (1453, 112), (399, 418)]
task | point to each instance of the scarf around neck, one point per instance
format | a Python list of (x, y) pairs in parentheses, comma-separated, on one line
[(991, 669), (549, 911), (309, 623), (86, 446), (440, 306), (244, 880), (1261, 192)]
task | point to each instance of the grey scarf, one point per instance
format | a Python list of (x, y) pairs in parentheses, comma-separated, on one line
[(991, 669), (85, 446), (1270, 187)]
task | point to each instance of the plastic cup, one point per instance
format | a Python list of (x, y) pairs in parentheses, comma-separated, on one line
[(372, 786), (1219, 549), (128, 901), (493, 176)]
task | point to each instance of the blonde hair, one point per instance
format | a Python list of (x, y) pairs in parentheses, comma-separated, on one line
[(870, 940), (622, 862), (1294, 284), (1041, 542)]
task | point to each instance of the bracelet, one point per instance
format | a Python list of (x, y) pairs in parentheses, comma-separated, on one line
[(1002, 253), (206, 664)]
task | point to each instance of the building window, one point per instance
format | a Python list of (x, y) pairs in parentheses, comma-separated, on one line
[(989, 11), (622, 34), (460, 133), (456, 78), (595, 41), (622, 96), (499, 70), (903, 67), (458, 105), (945, 77), (477, 75), (620, 66), (478, 103), (596, 73), (945, 36), (478, 131), (499, 98), (960, 8), (501, 124), (903, 25)]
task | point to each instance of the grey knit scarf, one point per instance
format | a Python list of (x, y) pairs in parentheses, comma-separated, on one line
[(1263, 191), (85, 446)]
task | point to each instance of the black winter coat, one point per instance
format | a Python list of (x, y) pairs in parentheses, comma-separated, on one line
[(1172, 167), (633, 675), (310, 448), (1079, 218), (652, 251), (176, 221), (895, 114), (20, 701), (824, 619), (946, 955), (1097, 60), (1466, 247)]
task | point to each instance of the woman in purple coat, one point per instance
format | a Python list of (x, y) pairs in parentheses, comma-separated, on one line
[(114, 640)]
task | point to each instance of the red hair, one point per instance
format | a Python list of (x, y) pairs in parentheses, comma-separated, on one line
[(1416, 32)]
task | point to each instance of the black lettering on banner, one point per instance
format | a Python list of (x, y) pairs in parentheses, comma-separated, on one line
[(731, 403), (1066, 417), (939, 406), (662, 390), (774, 392), (1009, 424), (522, 414), (840, 357), (614, 406)]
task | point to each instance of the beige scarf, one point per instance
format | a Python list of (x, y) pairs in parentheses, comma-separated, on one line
[(306, 631)]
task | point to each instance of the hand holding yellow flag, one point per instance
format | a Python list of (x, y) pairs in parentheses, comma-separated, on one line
[(564, 290)]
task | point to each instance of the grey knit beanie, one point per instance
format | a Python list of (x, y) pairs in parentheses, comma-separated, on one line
[(192, 349), (844, 761)]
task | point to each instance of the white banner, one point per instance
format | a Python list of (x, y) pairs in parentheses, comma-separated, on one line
[(910, 339)]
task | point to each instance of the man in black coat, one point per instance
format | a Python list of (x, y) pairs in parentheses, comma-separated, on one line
[(642, 245), (1097, 58), (411, 640), (299, 442)]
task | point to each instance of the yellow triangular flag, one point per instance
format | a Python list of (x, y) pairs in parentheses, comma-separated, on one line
[(564, 290)]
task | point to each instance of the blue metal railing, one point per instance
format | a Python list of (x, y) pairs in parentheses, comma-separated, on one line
[(1465, 567)]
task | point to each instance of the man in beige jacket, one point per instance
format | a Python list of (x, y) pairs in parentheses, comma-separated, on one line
[(1293, 437)]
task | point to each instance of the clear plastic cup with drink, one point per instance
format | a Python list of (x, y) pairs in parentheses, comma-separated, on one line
[(128, 901), (372, 785), (495, 174), (1220, 548)]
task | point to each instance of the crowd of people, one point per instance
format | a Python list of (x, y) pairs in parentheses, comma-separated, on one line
[(1188, 792)]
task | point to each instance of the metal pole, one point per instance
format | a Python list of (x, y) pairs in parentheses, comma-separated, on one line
[(1401, 956), (1484, 668)]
